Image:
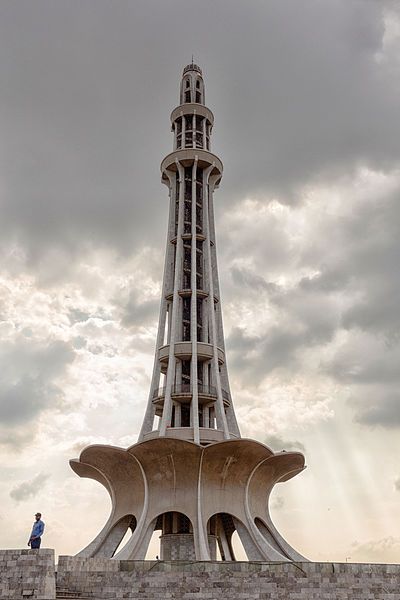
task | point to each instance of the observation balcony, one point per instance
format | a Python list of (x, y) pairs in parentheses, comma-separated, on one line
[(186, 293), (189, 108), (207, 436), (183, 351), (186, 157), (183, 393)]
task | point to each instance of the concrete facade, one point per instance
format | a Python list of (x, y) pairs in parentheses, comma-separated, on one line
[(178, 486), (190, 476), (31, 574)]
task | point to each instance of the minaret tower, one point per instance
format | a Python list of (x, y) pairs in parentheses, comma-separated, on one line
[(189, 390), (190, 475)]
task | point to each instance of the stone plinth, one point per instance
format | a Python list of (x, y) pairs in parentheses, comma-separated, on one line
[(31, 574), (183, 580), (27, 574), (180, 546)]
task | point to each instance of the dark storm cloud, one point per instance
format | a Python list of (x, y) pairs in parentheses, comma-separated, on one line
[(255, 357), (75, 163), (28, 382), (136, 312), (24, 400), (87, 90), (29, 489), (329, 281), (305, 320), (76, 315), (252, 282), (366, 367), (40, 360), (380, 411), (312, 89), (355, 285)]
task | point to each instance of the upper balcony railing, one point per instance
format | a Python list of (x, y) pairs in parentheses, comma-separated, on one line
[(186, 388)]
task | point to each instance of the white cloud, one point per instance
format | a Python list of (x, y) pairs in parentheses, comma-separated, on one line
[(385, 550)]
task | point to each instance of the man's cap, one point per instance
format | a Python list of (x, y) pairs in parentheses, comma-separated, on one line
[(38, 514)]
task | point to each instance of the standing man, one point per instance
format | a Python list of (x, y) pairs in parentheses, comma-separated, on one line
[(37, 532)]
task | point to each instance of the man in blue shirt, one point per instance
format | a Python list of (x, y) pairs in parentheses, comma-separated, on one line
[(37, 532)]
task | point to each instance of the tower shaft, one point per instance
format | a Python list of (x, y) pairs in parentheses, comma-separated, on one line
[(189, 394)]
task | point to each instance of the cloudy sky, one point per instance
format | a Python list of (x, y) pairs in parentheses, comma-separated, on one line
[(306, 99)]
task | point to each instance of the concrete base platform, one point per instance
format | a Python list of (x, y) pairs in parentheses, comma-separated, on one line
[(31, 574)]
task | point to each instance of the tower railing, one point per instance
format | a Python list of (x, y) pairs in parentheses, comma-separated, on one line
[(186, 388)]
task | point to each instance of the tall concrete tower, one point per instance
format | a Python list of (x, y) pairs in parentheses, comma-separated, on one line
[(190, 476), (193, 402)]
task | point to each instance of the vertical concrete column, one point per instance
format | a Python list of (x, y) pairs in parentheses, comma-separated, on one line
[(230, 413), (178, 415), (204, 133), (222, 538), (206, 416), (178, 372), (147, 424), (206, 275), (205, 374), (167, 409), (212, 417), (220, 411), (183, 131), (175, 130), (169, 311), (193, 311), (205, 307)]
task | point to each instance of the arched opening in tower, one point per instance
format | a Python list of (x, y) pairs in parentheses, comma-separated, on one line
[(267, 535), (176, 541), (117, 537), (223, 532)]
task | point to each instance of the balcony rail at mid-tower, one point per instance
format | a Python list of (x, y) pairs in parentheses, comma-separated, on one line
[(186, 388)]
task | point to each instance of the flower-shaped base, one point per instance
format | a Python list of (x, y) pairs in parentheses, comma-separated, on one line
[(196, 495)]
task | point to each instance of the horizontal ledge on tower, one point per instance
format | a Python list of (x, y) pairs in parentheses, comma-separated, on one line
[(187, 156), (183, 392), (207, 436), (188, 236), (189, 109), (187, 293), (183, 350)]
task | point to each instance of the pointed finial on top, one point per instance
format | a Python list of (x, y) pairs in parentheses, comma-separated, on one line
[(192, 60)]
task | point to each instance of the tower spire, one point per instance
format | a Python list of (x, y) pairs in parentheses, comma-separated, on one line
[(190, 395)]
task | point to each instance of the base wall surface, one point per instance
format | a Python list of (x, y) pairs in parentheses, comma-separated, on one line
[(27, 574), (31, 574), (103, 579)]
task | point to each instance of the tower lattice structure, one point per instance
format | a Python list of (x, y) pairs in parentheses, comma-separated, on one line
[(190, 476)]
